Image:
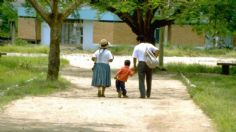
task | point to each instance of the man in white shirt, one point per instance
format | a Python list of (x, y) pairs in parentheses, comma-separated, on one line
[(143, 69)]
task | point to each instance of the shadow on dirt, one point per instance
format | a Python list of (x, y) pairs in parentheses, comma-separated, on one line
[(20, 125)]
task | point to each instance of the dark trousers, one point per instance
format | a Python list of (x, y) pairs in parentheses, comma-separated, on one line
[(120, 86), (144, 72)]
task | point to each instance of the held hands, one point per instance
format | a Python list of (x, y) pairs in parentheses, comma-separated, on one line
[(134, 69)]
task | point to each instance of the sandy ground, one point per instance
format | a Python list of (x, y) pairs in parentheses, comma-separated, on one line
[(170, 109)]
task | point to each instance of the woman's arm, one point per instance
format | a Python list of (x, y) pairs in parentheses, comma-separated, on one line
[(111, 57), (94, 59)]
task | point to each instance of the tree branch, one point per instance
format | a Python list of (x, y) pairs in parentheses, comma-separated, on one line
[(44, 14), (49, 3), (125, 17), (71, 8), (162, 23), (128, 20), (55, 7)]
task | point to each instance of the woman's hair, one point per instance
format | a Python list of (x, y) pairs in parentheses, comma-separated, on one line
[(104, 46)]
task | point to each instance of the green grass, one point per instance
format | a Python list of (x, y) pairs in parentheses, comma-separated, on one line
[(36, 87), (122, 50), (179, 51), (192, 68), (18, 70), (214, 92), (25, 48), (22, 46), (196, 52)]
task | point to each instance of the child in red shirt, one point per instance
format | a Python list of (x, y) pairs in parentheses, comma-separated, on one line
[(121, 77)]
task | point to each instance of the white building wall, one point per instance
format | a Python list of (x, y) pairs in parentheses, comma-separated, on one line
[(88, 43), (45, 34)]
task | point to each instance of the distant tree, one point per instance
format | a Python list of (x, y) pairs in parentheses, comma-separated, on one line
[(7, 14), (54, 12), (211, 17)]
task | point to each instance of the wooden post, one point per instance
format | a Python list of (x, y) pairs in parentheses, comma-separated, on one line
[(169, 34), (161, 48)]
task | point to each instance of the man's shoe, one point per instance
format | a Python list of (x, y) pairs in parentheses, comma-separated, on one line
[(125, 96)]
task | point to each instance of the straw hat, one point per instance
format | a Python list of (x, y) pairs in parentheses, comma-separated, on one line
[(104, 43)]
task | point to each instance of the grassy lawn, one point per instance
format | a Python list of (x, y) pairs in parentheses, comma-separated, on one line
[(180, 51), (214, 92), (24, 49), (22, 46), (195, 52), (22, 76)]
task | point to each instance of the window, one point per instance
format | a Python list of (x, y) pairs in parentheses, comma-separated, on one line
[(72, 33)]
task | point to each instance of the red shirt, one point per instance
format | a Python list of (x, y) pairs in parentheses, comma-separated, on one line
[(124, 73)]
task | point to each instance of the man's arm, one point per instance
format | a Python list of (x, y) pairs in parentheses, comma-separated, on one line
[(135, 61)]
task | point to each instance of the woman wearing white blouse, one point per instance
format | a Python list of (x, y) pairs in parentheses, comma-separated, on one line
[(101, 70)]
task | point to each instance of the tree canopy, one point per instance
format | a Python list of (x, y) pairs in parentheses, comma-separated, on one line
[(214, 18), (210, 16), (7, 13), (142, 16)]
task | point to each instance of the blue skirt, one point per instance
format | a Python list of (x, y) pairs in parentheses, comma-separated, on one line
[(101, 75)]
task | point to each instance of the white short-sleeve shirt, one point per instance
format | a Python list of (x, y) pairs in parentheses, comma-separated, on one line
[(103, 56), (139, 50)]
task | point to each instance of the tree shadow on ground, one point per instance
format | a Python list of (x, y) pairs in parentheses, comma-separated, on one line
[(23, 125)]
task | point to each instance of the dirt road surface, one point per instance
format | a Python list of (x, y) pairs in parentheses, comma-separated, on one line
[(170, 109)]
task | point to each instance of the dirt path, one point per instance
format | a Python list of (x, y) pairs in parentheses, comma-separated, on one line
[(170, 109)]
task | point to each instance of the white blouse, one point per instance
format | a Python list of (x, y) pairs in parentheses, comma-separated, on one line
[(103, 56)]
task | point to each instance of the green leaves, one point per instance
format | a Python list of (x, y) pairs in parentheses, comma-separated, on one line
[(210, 16), (7, 13), (126, 6)]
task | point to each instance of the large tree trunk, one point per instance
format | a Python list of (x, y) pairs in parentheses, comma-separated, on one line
[(149, 36), (147, 32), (54, 53)]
